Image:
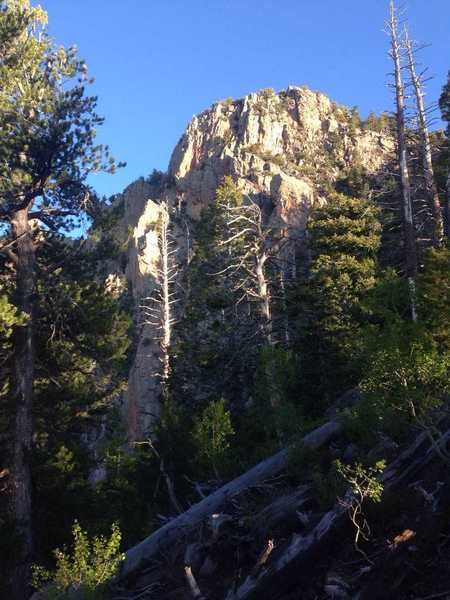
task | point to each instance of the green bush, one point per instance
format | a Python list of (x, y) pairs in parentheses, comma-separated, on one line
[(363, 480), (406, 366), (405, 383), (89, 567), (212, 431)]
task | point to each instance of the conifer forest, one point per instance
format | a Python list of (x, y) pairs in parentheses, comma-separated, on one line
[(230, 381)]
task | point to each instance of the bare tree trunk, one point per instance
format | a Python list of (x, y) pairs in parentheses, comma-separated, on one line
[(284, 307), (157, 308), (408, 224), (264, 296), (447, 206), (430, 185), (22, 403), (166, 321)]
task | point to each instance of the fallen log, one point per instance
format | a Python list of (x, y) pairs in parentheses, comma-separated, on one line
[(284, 513), (283, 571), (137, 557), (284, 567)]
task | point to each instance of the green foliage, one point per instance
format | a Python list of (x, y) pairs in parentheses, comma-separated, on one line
[(433, 295), (176, 444), (228, 194), (440, 148), (363, 480), (268, 92), (211, 333), (87, 569), (404, 382), (212, 433), (356, 182), (347, 226), (47, 123), (303, 460), (9, 318), (355, 119), (156, 178), (444, 103), (82, 339), (364, 485), (406, 366), (384, 123), (272, 418), (327, 486), (329, 313), (275, 411)]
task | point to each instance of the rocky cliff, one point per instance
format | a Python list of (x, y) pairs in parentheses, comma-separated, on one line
[(287, 150)]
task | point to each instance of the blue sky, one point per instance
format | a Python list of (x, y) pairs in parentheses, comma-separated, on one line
[(159, 62)]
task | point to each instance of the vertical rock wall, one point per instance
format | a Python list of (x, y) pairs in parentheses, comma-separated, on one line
[(285, 149)]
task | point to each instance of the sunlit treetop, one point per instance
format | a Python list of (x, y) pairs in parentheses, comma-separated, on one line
[(47, 122)]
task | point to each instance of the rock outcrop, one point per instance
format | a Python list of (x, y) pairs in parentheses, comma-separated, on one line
[(286, 149)]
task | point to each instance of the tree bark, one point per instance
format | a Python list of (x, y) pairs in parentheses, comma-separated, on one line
[(408, 224), (428, 171), (447, 206), (22, 402), (264, 296)]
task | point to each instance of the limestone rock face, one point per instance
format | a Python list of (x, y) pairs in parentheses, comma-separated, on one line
[(286, 150), (138, 229), (269, 141)]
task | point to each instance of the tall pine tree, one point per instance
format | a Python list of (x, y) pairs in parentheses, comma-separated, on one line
[(47, 150)]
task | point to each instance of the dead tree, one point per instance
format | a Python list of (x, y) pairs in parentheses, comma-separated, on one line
[(402, 154), (432, 196), (157, 308), (252, 247), (447, 204)]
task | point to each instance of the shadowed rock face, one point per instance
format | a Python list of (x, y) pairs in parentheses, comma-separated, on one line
[(285, 149)]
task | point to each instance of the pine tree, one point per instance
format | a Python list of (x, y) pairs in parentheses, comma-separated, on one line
[(344, 242), (47, 150), (214, 327), (444, 104), (81, 339), (371, 123)]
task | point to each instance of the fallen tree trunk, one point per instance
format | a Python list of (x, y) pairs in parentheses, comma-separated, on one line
[(286, 568), (138, 556), (284, 513)]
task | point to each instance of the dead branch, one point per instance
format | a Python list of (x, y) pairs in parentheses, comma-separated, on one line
[(193, 586)]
